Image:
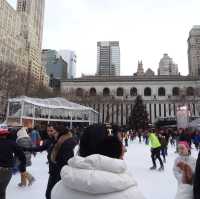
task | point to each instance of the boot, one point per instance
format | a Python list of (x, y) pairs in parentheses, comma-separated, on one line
[(30, 178), (31, 181), (23, 180), (161, 168), (153, 167)]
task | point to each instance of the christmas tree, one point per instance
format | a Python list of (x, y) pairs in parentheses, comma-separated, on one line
[(139, 116)]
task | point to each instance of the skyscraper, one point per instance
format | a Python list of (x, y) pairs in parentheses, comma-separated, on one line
[(194, 51), (71, 59), (32, 18), (108, 58), (12, 50), (55, 64)]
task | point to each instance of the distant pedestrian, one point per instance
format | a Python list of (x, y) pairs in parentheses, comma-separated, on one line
[(35, 137)]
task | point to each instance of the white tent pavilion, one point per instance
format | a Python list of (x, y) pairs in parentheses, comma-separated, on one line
[(23, 110)]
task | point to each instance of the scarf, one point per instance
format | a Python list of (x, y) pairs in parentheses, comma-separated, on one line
[(58, 145)]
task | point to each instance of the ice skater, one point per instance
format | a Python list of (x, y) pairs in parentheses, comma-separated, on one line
[(155, 150)]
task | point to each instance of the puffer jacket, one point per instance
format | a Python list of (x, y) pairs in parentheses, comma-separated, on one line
[(24, 141), (96, 177), (186, 159), (184, 192)]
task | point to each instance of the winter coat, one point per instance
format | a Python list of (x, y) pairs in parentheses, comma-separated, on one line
[(96, 177), (196, 139), (59, 158), (35, 137), (186, 159), (7, 149), (154, 141), (196, 182), (26, 142)]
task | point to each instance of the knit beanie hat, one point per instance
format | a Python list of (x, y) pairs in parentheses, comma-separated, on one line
[(185, 144), (22, 133)]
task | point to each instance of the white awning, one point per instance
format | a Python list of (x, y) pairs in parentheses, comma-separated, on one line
[(52, 103)]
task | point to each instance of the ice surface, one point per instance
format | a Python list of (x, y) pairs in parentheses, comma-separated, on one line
[(153, 184)]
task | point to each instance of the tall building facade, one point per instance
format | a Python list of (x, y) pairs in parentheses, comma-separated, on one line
[(56, 67), (194, 51), (71, 59), (167, 66), (32, 17), (108, 58), (21, 33), (11, 40)]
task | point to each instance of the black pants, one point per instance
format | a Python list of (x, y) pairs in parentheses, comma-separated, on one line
[(164, 152), (51, 182), (155, 154), (5, 176), (126, 142)]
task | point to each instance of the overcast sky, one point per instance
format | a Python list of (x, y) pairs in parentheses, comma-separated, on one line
[(146, 30)]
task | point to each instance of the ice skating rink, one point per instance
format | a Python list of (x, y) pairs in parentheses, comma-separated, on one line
[(153, 184)]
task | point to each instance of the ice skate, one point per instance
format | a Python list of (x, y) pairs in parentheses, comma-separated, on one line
[(161, 168), (31, 181), (153, 168)]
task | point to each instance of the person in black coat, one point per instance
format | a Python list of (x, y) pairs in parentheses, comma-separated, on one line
[(47, 143), (7, 149), (59, 154), (196, 185)]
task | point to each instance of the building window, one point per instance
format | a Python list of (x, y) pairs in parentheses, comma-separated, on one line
[(120, 92), (150, 117), (133, 92), (190, 91), (79, 92), (106, 92), (194, 110), (159, 110), (170, 111), (147, 91), (161, 91), (155, 114), (93, 92), (198, 69), (175, 91), (122, 114), (174, 109), (103, 114)]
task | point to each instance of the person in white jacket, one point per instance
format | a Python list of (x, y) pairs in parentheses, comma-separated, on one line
[(184, 156), (185, 188), (99, 172), (24, 141)]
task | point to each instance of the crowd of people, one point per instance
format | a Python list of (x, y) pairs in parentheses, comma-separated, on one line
[(98, 170)]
